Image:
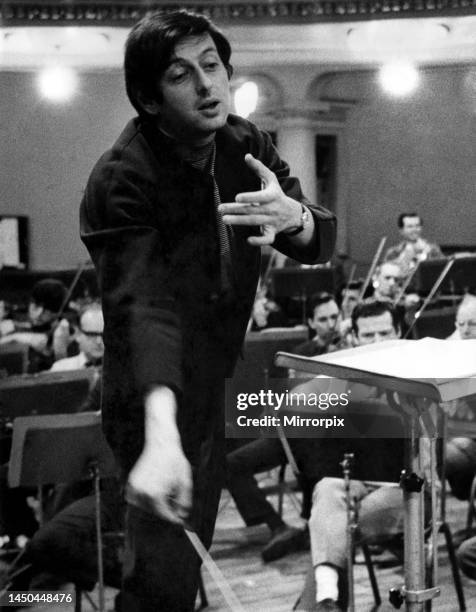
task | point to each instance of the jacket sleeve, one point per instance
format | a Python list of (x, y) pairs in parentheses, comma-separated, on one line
[(325, 222), (121, 229)]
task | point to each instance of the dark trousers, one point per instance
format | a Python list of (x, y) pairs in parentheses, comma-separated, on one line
[(242, 464), (161, 567), (64, 549)]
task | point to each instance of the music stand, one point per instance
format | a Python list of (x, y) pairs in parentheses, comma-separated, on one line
[(459, 279), (52, 449), (45, 392), (301, 283), (413, 373)]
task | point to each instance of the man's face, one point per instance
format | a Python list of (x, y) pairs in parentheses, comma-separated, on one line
[(89, 336), (324, 322), (350, 297), (388, 280), (466, 320), (195, 91), (411, 229), (37, 314), (375, 329)]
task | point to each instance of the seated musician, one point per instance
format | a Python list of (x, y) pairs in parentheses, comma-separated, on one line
[(386, 282), (16, 517), (267, 453), (465, 322), (348, 297), (413, 247), (47, 337), (267, 313), (323, 322), (64, 549), (461, 452), (381, 509), (88, 336), (242, 464), (386, 286)]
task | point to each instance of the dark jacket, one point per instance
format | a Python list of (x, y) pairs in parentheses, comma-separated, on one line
[(148, 220)]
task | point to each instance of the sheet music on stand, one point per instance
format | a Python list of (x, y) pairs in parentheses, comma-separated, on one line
[(441, 370)]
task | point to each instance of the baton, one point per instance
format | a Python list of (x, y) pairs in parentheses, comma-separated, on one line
[(215, 572)]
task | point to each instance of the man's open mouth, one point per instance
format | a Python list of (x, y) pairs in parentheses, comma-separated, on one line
[(209, 105)]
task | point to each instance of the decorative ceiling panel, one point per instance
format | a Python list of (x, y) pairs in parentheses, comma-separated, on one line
[(124, 13)]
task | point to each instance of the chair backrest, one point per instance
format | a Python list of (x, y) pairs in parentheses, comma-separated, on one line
[(256, 370), (13, 358)]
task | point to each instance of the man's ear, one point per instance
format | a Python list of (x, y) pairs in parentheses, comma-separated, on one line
[(310, 322), (149, 105)]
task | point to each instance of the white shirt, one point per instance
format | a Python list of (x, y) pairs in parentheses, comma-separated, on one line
[(77, 362)]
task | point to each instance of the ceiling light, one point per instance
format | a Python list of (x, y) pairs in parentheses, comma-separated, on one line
[(246, 99), (399, 78), (57, 83)]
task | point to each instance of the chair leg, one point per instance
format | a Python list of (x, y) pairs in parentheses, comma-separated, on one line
[(454, 566), (202, 592), (371, 572), (281, 486), (77, 599), (471, 506)]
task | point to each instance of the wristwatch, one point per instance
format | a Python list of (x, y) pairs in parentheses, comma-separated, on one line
[(305, 220)]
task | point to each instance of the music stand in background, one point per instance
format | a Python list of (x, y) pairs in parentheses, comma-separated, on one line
[(53, 449), (301, 284), (459, 280), (45, 393)]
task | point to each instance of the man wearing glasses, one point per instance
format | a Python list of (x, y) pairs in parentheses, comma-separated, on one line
[(89, 339)]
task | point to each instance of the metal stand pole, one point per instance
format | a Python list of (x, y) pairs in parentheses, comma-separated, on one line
[(414, 593), (412, 485), (94, 469), (351, 526)]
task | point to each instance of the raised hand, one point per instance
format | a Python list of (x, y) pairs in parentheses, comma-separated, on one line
[(270, 208)]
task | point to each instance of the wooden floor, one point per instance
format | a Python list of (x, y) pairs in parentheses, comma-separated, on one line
[(274, 587)]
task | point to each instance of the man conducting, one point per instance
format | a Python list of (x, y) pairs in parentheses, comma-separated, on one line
[(173, 216)]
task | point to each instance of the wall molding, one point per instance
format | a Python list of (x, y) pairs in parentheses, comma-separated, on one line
[(226, 12)]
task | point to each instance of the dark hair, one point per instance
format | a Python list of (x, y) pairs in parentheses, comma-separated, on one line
[(355, 285), (373, 308), (150, 46), (49, 293), (402, 216), (318, 299)]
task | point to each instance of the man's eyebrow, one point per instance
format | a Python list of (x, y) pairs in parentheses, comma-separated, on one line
[(182, 60)]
